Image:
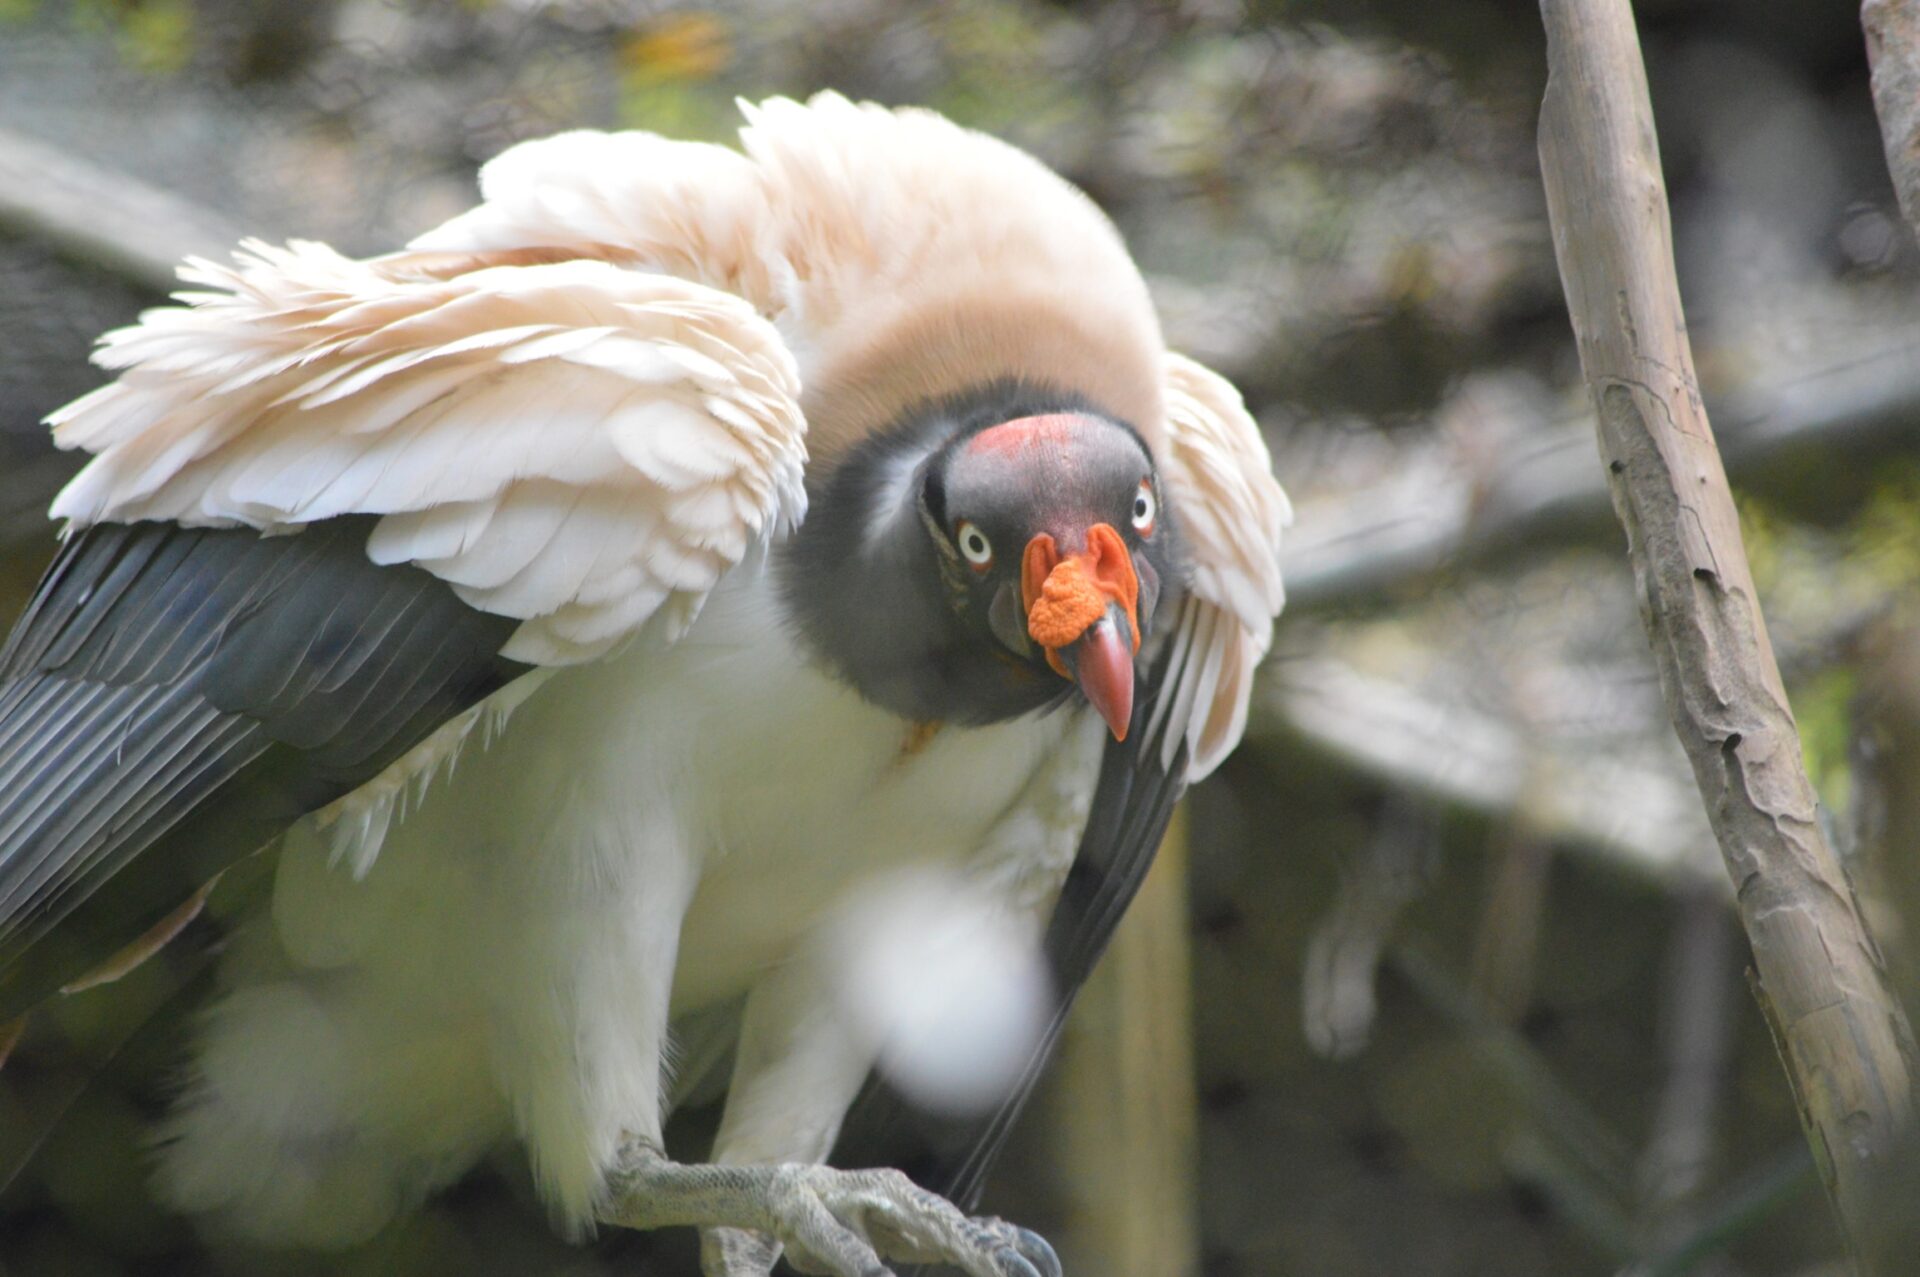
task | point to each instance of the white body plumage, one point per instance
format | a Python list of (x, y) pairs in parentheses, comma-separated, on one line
[(497, 971)]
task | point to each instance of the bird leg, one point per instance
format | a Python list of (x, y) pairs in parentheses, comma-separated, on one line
[(837, 1223)]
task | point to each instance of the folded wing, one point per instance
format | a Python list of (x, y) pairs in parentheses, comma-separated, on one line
[(336, 509)]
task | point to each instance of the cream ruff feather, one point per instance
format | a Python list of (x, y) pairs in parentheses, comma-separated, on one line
[(588, 405)]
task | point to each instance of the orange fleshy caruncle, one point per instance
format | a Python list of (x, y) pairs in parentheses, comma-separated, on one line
[(1069, 602), (1064, 596)]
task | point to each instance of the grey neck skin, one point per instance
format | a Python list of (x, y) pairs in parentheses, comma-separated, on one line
[(871, 595)]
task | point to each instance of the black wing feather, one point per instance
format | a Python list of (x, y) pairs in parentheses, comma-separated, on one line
[(162, 671), (1132, 804)]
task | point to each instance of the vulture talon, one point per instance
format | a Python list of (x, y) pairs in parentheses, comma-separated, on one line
[(828, 1221)]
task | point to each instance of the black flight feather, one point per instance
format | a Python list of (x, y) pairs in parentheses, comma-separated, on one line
[(163, 672), (1132, 805)]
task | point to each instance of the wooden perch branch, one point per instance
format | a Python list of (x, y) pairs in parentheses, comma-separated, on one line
[(1843, 1038)]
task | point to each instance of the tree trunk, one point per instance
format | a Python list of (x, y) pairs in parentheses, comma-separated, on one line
[(1842, 1037)]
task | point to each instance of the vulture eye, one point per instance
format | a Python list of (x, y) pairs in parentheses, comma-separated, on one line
[(1144, 508), (974, 545)]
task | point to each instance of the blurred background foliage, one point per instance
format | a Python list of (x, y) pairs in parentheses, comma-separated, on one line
[(1466, 995)]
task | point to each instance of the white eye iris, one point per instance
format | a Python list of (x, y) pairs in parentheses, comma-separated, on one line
[(974, 545), (1144, 508)]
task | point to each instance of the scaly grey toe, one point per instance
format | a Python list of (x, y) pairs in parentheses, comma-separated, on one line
[(829, 1222)]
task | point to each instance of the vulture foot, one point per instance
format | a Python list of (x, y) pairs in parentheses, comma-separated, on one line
[(835, 1223)]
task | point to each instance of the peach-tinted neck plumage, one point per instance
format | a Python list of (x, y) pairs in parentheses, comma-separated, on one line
[(904, 258)]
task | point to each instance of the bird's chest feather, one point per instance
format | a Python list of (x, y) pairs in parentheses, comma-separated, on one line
[(794, 789)]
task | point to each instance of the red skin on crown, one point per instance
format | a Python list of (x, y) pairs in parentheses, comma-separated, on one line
[(1026, 432)]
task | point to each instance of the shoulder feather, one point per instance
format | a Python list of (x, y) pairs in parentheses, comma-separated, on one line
[(573, 444)]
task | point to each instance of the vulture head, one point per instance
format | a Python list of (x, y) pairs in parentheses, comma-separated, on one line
[(990, 555)]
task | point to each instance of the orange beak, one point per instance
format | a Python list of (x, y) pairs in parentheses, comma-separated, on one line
[(1082, 609)]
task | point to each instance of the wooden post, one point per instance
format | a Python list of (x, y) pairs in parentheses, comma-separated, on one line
[(1842, 1037), (1127, 1107)]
